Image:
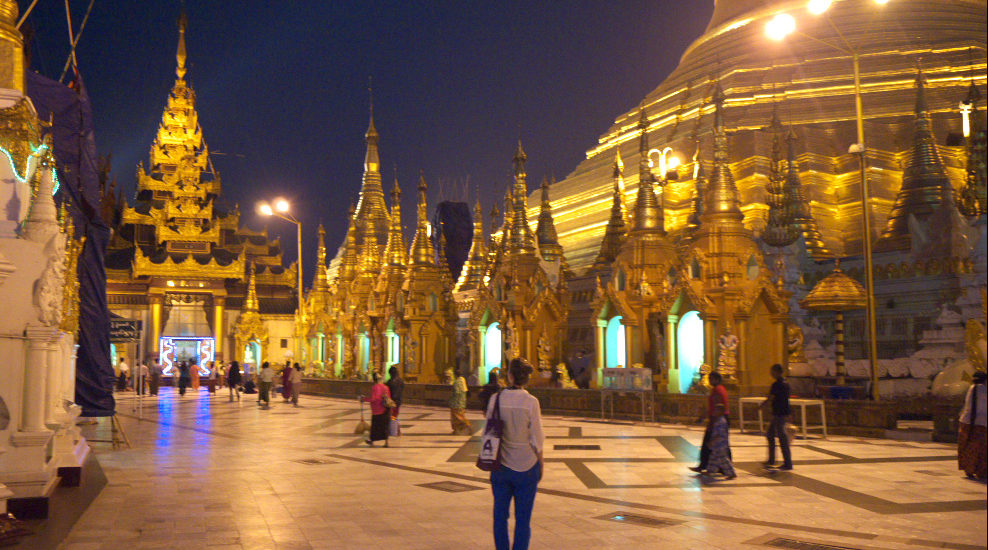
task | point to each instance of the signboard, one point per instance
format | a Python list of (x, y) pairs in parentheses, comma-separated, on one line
[(124, 330)]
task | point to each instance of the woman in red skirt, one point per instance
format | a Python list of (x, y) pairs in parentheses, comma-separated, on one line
[(972, 439)]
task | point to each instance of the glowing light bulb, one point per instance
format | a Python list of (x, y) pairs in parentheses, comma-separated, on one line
[(672, 162), (281, 205), (264, 209), (780, 26), (817, 7), (881, 2)]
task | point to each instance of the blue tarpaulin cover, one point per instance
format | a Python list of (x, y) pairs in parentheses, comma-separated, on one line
[(75, 155)]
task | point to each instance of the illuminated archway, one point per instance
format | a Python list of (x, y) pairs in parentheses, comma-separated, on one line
[(689, 341), (492, 350), (614, 343)]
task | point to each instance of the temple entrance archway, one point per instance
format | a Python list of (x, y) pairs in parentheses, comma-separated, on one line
[(689, 343), (615, 344), (492, 350)]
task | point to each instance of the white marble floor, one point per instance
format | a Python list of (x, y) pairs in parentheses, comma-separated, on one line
[(207, 473)]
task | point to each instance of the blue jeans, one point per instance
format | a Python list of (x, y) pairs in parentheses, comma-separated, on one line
[(507, 484)]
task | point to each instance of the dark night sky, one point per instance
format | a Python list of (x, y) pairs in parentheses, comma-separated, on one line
[(282, 89)]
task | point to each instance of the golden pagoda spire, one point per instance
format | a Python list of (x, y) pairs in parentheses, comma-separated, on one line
[(780, 229), (348, 266), (699, 186), (545, 230), (522, 241), (617, 230), (11, 48), (321, 283), (799, 206), (250, 303), (395, 253), (508, 223), (442, 262), (372, 212), (924, 180), (973, 197), (474, 269), (422, 251), (648, 212), (180, 54), (721, 204)]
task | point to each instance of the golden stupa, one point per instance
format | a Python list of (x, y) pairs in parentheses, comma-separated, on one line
[(811, 86)]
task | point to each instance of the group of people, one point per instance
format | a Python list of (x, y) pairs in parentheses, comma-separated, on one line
[(385, 403), (715, 451), (218, 374)]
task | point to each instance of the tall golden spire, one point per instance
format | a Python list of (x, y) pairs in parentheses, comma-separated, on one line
[(522, 240), (11, 48), (924, 181), (372, 212), (617, 230), (721, 204), (321, 283), (648, 212), (180, 54), (545, 230), (395, 253), (348, 266), (422, 251), (974, 195), (800, 207), (699, 187), (250, 303), (474, 269)]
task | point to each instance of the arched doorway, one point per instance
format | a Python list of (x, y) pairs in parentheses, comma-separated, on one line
[(252, 356), (614, 344), (689, 341), (363, 350), (492, 350)]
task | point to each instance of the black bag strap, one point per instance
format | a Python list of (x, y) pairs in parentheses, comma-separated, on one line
[(496, 415)]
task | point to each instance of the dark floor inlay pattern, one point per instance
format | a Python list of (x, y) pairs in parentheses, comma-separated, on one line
[(793, 544), (576, 447), (314, 461), (934, 473), (638, 519), (450, 486)]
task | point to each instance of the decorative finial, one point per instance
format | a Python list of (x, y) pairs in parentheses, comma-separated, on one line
[(180, 56)]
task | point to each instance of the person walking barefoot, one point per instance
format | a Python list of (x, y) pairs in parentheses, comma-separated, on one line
[(778, 400)]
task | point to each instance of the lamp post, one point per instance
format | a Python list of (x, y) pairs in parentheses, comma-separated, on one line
[(280, 208), (668, 162), (777, 29)]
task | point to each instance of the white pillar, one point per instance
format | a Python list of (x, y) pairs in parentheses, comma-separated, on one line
[(53, 379), (34, 405)]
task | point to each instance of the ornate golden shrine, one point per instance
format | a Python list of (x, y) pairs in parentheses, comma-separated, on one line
[(175, 244)]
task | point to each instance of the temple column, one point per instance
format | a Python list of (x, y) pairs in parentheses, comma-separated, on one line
[(157, 309), (601, 349), (481, 348), (219, 303), (34, 405), (744, 380), (53, 379), (672, 363)]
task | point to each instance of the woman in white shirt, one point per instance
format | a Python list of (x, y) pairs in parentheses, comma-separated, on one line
[(521, 456)]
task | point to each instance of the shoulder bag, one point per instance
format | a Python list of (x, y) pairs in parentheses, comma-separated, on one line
[(489, 458)]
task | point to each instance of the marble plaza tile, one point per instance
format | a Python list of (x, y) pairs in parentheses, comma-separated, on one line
[(207, 473)]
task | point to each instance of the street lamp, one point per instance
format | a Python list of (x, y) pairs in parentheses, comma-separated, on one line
[(280, 208), (778, 28), (668, 162)]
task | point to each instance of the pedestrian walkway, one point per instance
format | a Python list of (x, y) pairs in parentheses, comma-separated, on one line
[(207, 473)]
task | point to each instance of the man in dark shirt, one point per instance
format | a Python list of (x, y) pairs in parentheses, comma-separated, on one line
[(778, 398), (718, 396)]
